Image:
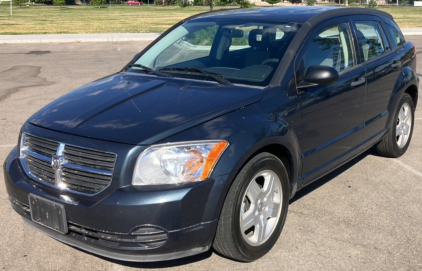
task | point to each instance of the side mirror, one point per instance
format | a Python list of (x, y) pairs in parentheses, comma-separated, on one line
[(319, 76), (136, 56)]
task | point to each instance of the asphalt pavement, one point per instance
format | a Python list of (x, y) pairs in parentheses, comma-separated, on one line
[(367, 215)]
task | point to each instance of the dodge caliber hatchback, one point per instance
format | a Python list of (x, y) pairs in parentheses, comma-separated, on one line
[(202, 139)]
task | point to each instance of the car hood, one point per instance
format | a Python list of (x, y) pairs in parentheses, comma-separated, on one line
[(140, 109)]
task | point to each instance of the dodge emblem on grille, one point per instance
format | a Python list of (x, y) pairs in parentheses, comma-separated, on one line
[(56, 161)]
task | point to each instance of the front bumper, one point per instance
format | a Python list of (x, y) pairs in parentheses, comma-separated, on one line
[(185, 218)]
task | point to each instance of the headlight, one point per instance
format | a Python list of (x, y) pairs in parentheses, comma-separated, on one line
[(177, 163)]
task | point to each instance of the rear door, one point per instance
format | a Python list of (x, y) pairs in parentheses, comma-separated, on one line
[(383, 66), (332, 115)]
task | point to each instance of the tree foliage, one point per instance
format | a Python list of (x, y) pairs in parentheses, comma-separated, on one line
[(310, 2), (97, 2), (166, 2), (241, 3), (19, 2), (59, 2), (272, 2), (372, 4)]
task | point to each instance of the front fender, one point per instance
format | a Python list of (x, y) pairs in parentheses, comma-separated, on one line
[(248, 130)]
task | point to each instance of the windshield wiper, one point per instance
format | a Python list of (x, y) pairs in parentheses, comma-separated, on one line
[(216, 76), (149, 70)]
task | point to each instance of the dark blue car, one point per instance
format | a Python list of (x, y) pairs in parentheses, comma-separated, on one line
[(205, 136)]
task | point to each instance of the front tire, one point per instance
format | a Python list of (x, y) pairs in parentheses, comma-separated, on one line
[(397, 140), (254, 211)]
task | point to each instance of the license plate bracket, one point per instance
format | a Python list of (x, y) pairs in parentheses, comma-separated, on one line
[(48, 213)]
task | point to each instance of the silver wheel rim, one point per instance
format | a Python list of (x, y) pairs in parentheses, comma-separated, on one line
[(403, 125), (261, 208)]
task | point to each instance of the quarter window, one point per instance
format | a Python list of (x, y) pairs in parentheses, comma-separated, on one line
[(369, 40), (397, 38), (331, 47)]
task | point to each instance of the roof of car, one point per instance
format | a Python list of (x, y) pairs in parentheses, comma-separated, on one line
[(288, 14)]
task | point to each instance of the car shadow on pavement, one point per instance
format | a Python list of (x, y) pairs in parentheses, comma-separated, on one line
[(159, 264), (332, 175)]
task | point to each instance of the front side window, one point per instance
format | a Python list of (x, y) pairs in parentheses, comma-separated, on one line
[(240, 51), (369, 40), (331, 47)]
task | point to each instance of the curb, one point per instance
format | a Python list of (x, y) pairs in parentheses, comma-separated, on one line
[(111, 37), (67, 38), (411, 31)]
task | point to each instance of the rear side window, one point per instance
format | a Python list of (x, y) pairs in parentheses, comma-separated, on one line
[(384, 38), (369, 40), (395, 35)]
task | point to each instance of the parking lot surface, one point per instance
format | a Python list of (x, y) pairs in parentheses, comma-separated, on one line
[(367, 215)]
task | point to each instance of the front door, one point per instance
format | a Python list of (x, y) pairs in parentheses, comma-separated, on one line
[(333, 115)]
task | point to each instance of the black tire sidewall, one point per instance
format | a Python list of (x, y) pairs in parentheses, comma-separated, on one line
[(268, 162)]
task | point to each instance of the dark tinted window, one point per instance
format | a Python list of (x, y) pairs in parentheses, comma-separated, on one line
[(395, 35), (331, 47), (369, 40), (384, 38)]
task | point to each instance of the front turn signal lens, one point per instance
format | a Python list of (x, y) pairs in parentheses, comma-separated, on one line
[(212, 158)]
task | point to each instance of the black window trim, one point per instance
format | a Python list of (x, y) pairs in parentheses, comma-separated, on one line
[(312, 33), (385, 53), (399, 47)]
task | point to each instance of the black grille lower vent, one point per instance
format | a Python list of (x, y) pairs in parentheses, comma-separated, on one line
[(155, 238)]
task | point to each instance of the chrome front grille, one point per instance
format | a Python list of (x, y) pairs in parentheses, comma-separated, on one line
[(84, 181), (66, 167), (88, 158), (41, 146), (40, 168)]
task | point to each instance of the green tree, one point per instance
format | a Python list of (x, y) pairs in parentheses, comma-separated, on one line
[(310, 2), (272, 2), (98, 2), (244, 3), (372, 4), (19, 2), (59, 2), (241, 3)]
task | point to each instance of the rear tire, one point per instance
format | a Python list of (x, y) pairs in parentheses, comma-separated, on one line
[(254, 211), (397, 140)]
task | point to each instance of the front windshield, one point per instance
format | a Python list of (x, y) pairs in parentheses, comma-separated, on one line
[(243, 52)]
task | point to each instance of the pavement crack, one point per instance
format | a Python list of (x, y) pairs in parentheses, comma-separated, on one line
[(19, 77)]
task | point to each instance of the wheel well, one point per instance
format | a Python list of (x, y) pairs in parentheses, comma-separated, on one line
[(282, 153), (413, 92)]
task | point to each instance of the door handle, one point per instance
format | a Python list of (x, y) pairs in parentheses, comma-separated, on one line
[(396, 64), (358, 82)]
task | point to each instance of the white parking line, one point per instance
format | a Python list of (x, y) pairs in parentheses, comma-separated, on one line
[(7, 146), (406, 166)]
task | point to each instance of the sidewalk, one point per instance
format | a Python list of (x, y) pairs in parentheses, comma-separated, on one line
[(411, 31), (112, 37)]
